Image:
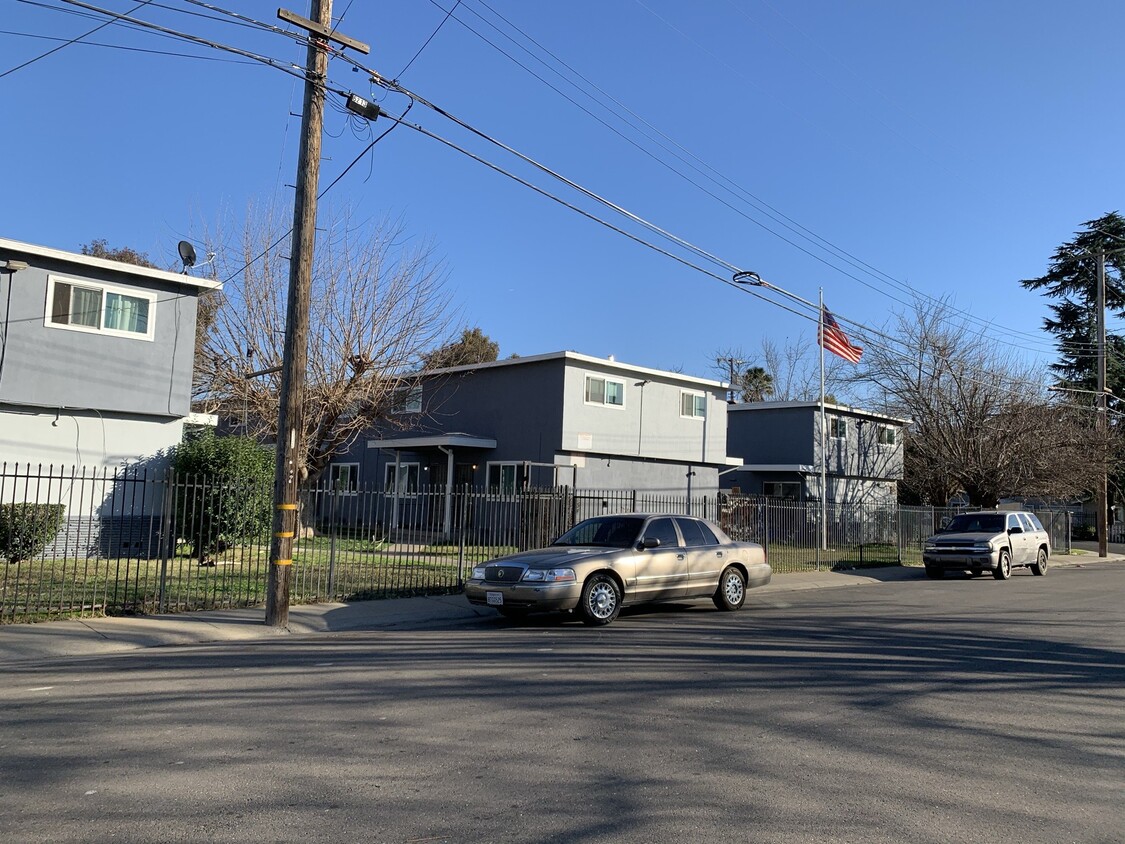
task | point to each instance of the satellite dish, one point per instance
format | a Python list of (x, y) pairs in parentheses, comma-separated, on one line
[(187, 254)]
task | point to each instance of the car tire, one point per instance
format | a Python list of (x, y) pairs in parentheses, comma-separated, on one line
[(731, 594), (935, 572), (1004, 569), (601, 600), (513, 613), (1040, 565)]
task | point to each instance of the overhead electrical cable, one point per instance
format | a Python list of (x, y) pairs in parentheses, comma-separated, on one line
[(717, 177), (75, 40), (285, 67)]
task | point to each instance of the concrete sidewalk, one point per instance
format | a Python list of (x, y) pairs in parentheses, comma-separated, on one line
[(96, 636)]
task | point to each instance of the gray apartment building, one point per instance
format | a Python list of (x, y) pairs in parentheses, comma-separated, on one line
[(778, 447), (96, 357), (548, 420)]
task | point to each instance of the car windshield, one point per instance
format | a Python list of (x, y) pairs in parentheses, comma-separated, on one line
[(976, 523), (604, 531)]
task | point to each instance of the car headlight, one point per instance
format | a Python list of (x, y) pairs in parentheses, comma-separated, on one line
[(478, 572), (930, 546), (983, 546), (549, 575)]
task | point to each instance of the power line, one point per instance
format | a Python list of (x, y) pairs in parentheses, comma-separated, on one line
[(68, 43), (428, 40), (719, 179)]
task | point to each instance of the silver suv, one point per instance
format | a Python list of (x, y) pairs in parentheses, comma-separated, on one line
[(997, 541)]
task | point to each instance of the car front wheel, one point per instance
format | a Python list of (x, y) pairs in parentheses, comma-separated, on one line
[(731, 594), (1004, 570), (1040, 564), (601, 600)]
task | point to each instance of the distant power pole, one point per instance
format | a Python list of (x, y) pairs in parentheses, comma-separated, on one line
[(295, 357), (1102, 495)]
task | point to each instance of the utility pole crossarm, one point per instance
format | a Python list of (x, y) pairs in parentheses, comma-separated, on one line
[(323, 31)]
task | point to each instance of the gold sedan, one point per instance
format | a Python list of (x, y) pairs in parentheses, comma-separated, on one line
[(609, 562)]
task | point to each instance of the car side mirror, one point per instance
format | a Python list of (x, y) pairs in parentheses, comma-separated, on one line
[(1015, 530), (650, 542)]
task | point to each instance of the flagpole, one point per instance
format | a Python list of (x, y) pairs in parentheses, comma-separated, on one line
[(823, 545)]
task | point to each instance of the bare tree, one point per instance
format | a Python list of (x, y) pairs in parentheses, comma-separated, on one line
[(982, 421), (795, 369), (377, 307)]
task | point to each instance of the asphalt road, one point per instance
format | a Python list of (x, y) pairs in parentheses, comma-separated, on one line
[(958, 710)]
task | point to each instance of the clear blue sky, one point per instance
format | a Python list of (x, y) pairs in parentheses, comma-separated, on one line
[(947, 146)]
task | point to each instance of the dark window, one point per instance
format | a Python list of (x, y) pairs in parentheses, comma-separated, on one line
[(1038, 525), (665, 531), (696, 533), (607, 531)]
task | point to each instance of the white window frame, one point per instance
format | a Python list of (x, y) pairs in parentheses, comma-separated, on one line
[(518, 476), (837, 427), (103, 289), (351, 487), (887, 436), (411, 399), (402, 487), (695, 409), (606, 380)]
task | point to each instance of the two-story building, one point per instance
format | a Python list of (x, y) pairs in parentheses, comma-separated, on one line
[(96, 357), (559, 419), (778, 445)]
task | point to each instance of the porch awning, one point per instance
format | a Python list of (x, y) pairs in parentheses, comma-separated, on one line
[(433, 441)]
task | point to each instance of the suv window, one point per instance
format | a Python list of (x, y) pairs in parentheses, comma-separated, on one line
[(1035, 523), (665, 531), (1025, 522)]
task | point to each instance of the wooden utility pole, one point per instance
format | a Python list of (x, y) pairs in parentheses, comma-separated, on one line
[(1103, 428), (290, 416)]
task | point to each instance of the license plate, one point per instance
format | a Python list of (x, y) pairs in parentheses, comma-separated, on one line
[(495, 599)]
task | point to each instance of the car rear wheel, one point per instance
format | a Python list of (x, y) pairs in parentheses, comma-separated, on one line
[(1004, 570), (731, 594), (1040, 564), (601, 600), (935, 572)]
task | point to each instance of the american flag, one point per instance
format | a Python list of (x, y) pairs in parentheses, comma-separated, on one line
[(834, 340)]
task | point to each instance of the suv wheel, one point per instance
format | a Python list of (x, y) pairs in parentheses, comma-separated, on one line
[(1004, 570), (1040, 564)]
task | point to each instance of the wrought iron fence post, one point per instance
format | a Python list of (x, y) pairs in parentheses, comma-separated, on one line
[(332, 519), (168, 544), (461, 513)]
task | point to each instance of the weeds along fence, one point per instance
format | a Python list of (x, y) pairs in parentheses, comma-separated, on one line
[(82, 542)]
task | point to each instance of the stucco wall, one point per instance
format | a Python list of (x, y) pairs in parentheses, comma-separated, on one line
[(82, 438)]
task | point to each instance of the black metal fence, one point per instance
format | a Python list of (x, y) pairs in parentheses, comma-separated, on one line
[(77, 542)]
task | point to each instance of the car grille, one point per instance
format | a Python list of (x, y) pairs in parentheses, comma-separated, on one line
[(503, 574)]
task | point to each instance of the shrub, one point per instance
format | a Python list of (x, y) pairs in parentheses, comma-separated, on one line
[(27, 529), (223, 490)]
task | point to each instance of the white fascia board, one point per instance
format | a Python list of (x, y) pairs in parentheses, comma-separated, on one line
[(590, 361), (111, 266)]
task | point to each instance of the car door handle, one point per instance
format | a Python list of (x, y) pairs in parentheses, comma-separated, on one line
[(679, 556), (718, 553)]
